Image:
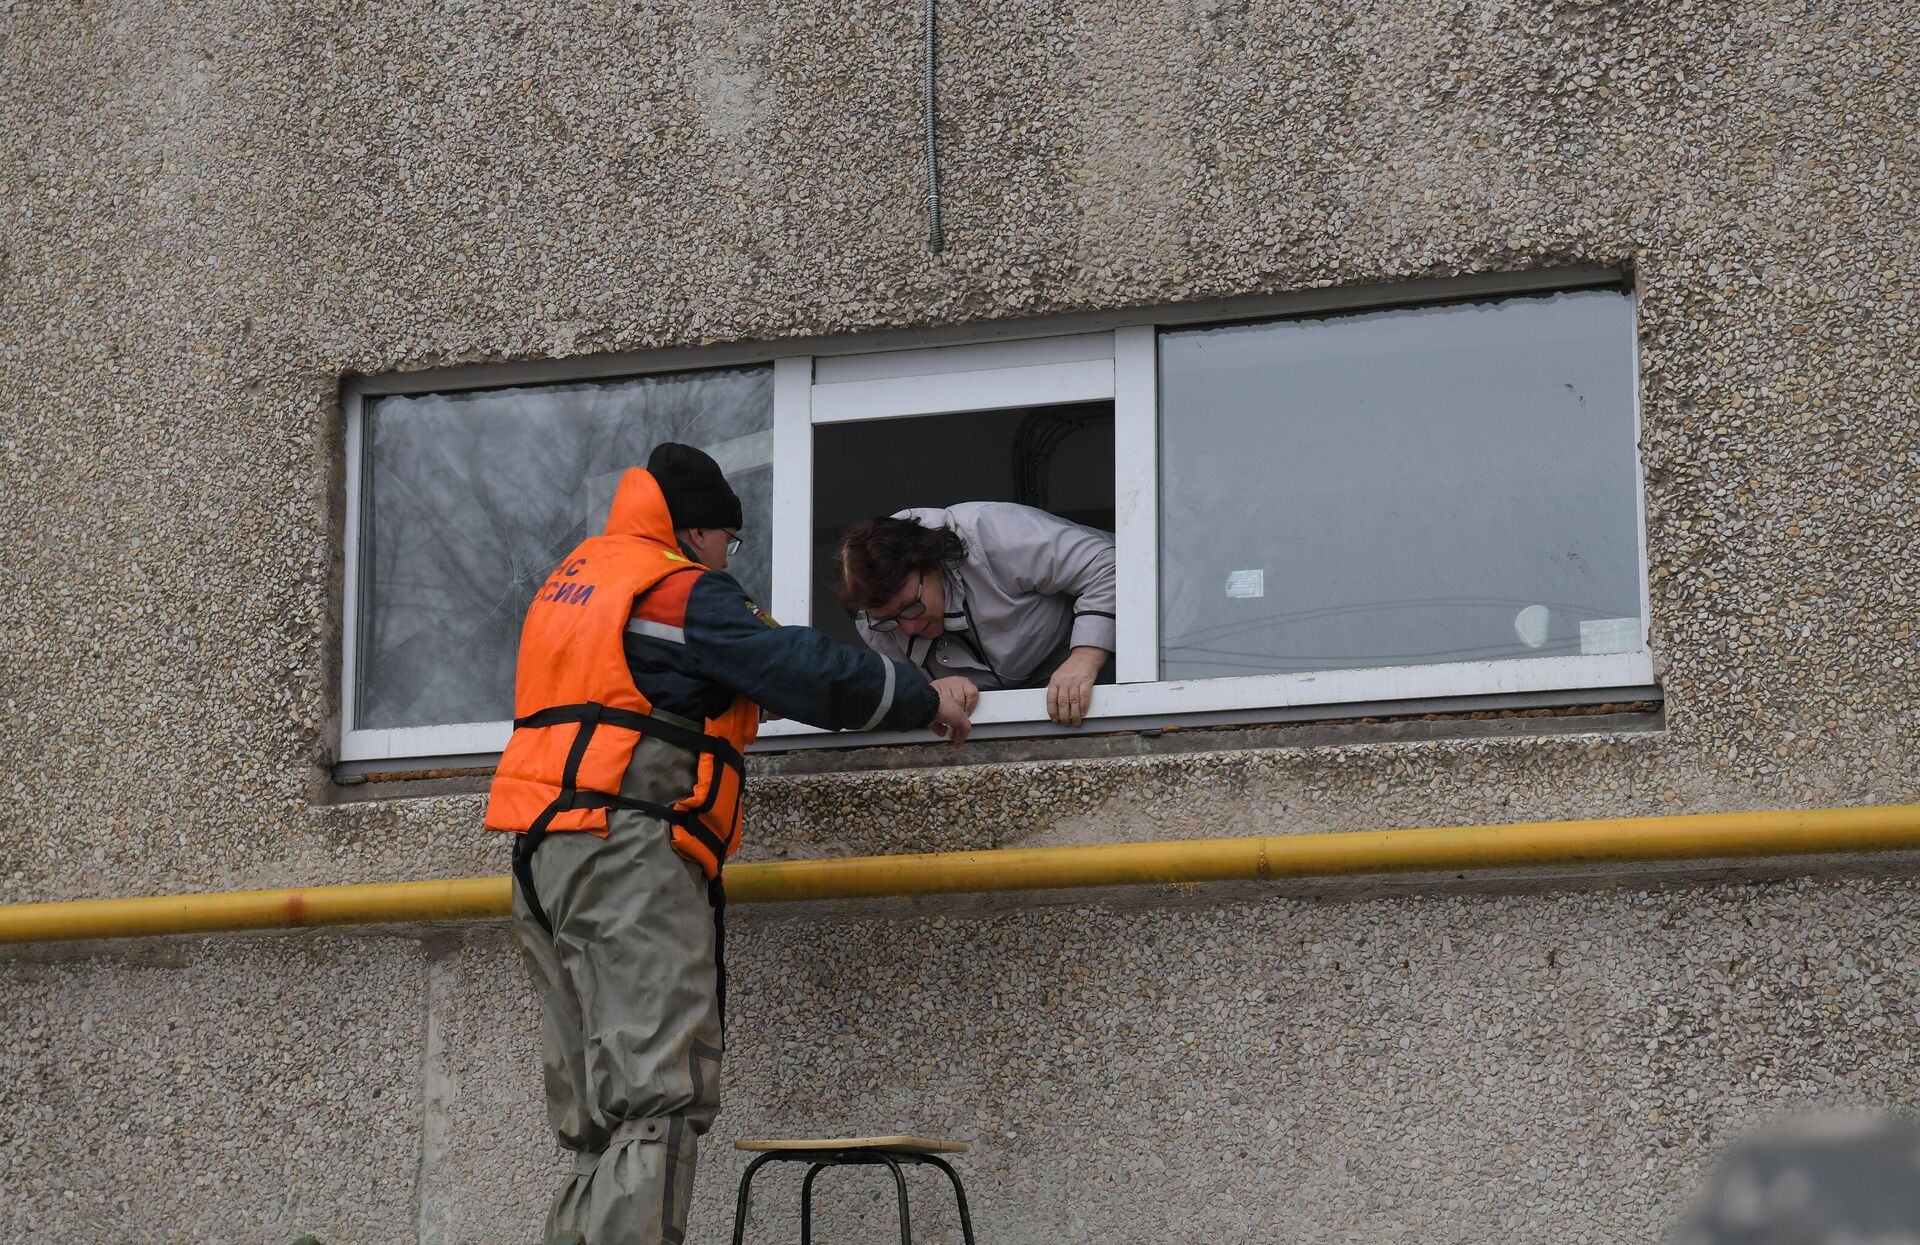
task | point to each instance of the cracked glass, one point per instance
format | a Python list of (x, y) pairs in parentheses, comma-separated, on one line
[(469, 500)]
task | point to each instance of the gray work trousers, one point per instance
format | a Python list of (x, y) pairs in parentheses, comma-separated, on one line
[(630, 1012)]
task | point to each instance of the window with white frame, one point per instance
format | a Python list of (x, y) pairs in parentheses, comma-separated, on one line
[(461, 504), (1439, 485), (1418, 497)]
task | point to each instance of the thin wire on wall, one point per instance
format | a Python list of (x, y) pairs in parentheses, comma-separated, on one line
[(935, 240)]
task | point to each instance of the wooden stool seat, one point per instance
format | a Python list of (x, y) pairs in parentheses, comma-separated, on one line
[(903, 1145), (820, 1153)]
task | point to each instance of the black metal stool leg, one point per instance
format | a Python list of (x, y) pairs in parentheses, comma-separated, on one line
[(740, 1206), (900, 1181), (959, 1194), (806, 1203)]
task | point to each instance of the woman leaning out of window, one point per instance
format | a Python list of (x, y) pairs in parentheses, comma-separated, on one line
[(986, 595)]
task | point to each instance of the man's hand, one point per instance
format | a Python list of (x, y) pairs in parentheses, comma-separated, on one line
[(960, 690), (952, 721), (1070, 690)]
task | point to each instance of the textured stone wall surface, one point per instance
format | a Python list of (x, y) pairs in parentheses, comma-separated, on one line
[(211, 214), (1466, 1068), (239, 1090)]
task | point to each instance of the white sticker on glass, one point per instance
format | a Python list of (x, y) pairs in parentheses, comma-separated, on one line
[(1530, 624), (1610, 635), (1247, 583)]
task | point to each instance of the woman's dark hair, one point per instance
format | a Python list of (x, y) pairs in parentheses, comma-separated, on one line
[(877, 555)]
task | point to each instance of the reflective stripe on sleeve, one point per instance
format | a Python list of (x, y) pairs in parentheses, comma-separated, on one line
[(886, 697), (657, 630)]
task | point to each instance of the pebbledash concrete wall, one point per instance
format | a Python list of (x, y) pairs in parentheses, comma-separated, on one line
[(211, 213)]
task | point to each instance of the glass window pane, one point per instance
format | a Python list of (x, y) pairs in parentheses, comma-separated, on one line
[(469, 500), (1427, 484)]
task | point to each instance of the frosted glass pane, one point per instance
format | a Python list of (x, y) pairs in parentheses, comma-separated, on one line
[(469, 500), (1428, 484)]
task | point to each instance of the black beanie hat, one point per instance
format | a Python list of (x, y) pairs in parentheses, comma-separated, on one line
[(697, 494)]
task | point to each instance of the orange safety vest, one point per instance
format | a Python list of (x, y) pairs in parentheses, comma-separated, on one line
[(578, 715)]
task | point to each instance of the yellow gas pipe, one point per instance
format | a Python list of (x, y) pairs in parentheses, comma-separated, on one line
[(1700, 836)]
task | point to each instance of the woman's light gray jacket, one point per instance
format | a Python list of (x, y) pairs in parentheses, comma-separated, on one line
[(1032, 588)]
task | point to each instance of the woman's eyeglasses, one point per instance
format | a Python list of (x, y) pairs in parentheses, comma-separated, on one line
[(912, 609)]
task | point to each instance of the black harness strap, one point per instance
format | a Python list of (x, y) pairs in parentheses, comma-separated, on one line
[(717, 900), (590, 715), (645, 723), (523, 851)]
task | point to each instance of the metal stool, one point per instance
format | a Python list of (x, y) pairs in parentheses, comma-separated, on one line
[(852, 1152)]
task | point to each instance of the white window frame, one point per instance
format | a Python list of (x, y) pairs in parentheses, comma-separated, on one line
[(392, 743), (1120, 365), (1094, 357)]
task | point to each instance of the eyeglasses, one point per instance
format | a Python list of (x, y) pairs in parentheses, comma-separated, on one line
[(733, 543), (912, 609)]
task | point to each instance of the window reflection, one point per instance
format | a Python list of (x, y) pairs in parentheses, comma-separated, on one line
[(1428, 484), (470, 499)]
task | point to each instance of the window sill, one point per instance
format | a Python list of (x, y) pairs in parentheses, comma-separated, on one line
[(1267, 698), (1614, 711)]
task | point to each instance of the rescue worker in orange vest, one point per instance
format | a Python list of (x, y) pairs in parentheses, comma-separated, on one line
[(643, 669)]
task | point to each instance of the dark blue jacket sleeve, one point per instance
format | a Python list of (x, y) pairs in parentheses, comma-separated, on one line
[(797, 672)]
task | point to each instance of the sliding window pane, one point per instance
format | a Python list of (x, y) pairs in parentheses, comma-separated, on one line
[(1444, 483), (469, 500)]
